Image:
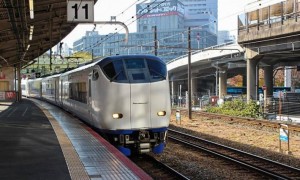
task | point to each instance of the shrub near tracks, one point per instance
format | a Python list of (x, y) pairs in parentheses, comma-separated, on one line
[(236, 108)]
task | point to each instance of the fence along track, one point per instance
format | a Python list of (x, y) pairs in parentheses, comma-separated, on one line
[(261, 122), (255, 163)]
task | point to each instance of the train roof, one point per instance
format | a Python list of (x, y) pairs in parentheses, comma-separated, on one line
[(119, 57), (52, 76), (79, 68), (103, 61)]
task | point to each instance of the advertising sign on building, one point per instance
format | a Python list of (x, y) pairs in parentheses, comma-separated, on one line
[(168, 8), (2, 95), (10, 95)]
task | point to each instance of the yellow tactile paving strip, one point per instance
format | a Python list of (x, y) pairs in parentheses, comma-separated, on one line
[(75, 166)]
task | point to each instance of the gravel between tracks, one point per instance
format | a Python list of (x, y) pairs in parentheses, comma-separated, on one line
[(259, 140)]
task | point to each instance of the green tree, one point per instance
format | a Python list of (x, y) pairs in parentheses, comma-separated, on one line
[(84, 55)]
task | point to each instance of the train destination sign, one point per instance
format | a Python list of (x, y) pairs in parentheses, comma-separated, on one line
[(80, 11)]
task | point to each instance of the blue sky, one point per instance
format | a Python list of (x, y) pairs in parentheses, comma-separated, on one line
[(104, 9)]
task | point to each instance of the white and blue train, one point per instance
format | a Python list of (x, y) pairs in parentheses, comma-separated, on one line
[(125, 97)]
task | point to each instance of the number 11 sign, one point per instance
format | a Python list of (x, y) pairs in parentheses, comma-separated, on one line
[(80, 11)]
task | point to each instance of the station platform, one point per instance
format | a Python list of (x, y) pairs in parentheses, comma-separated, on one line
[(41, 141)]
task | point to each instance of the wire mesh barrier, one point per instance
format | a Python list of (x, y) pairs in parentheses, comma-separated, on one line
[(283, 107), (201, 102)]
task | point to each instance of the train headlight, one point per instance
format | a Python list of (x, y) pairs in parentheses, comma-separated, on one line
[(117, 115), (161, 113)]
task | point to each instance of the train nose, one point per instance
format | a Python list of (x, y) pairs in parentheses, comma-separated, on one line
[(140, 105)]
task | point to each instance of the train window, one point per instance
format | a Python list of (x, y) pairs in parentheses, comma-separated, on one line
[(157, 70), (115, 71), (135, 63), (138, 76), (78, 92), (109, 70), (134, 70)]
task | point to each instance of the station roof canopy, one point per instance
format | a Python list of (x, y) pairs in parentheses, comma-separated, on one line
[(48, 26)]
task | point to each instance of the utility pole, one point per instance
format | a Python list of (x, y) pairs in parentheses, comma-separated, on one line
[(155, 40), (92, 54), (50, 59), (189, 75)]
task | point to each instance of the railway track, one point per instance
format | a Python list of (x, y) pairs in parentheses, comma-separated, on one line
[(156, 169), (259, 165), (260, 122)]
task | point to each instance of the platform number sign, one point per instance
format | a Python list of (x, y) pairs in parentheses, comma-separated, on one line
[(80, 11)]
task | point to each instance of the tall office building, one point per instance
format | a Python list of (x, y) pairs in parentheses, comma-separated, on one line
[(171, 19), (168, 15), (197, 13), (225, 37), (203, 13)]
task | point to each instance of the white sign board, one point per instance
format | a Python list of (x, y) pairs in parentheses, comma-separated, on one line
[(284, 134), (80, 11)]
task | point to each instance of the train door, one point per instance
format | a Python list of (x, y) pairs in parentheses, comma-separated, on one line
[(89, 99), (56, 80), (61, 91), (139, 97)]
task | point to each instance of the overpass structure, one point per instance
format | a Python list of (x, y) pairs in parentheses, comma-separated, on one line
[(270, 34), (268, 37), (210, 69)]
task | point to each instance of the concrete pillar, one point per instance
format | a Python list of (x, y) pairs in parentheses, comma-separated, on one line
[(217, 83), (244, 80), (287, 76), (172, 92), (252, 77), (194, 88), (19, 82), (268, 77), (222, 83), (179, 96)]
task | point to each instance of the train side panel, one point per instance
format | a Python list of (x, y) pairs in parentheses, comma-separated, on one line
[(74, 95), (50, 88), (160, 103)]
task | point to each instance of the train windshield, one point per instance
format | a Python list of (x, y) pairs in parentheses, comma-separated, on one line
[(135, 70)]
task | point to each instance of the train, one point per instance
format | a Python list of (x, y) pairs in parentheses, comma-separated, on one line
[(125, 98)]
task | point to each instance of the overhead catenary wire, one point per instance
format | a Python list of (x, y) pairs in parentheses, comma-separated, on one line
[(123, 49), (108, 37)]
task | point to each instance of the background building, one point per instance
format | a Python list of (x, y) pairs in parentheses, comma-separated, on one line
[(171, 19), (225, 37)]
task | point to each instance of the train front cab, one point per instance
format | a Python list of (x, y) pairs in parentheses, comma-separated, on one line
[(145, 109)]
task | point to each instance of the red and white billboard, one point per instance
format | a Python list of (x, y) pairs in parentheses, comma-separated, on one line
[(157, 9)]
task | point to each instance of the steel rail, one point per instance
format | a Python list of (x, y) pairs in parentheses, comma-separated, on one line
[(256, 168), (162, 171), (272, 124)]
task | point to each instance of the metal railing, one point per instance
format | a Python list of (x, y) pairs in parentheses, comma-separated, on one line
[(286, 108)]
